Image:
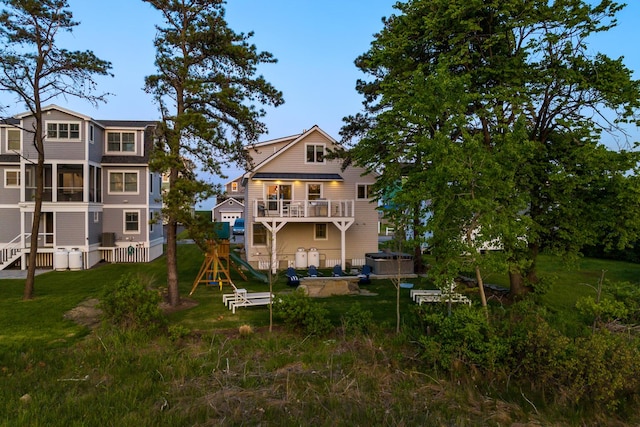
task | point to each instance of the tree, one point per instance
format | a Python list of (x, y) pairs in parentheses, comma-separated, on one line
[(36, 70), (205, 88), (499, 111)]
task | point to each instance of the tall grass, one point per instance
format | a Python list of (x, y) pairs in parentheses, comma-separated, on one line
[(216, 376)]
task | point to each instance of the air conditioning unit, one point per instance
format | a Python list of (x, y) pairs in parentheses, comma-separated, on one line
[(108, 240)]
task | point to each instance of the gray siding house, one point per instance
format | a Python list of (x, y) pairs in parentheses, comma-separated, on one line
[(100, 196)]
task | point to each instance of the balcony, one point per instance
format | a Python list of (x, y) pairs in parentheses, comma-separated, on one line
[(303, 210)]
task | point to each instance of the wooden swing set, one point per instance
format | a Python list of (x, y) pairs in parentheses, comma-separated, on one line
[(216, 265)]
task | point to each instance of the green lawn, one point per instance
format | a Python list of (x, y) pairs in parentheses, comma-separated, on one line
[(41, 321), (217, 377)]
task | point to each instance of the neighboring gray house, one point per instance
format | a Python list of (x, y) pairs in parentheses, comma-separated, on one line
[(100, 196), (228, 210)]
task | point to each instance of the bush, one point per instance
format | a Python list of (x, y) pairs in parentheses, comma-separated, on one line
[(130, 303), (357, 320), (298, 311), (463, 336)]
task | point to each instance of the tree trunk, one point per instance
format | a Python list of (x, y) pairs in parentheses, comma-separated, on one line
[(483, 297), (517, 283), (29, 284), (172, 262)]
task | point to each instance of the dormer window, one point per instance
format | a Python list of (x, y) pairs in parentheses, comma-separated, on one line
[(121, 142), (234, 186), (60, 130), (315, 153)]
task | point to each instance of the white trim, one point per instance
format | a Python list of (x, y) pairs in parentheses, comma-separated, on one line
[(124, 221), (324, 153), (307, 184), (121, 151), (123, 172), (230, 199), (6, 144), (366, 189), (315, 231), (266, 230), (19, 176), (62, 122), (91, 133)]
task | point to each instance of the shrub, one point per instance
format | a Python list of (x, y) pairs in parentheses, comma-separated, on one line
[(463, 336), (130, 303), (357, 320), (245, 331), (298, 311)]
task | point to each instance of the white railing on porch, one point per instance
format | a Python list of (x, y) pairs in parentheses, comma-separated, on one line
[(318, 208), (125, 254)]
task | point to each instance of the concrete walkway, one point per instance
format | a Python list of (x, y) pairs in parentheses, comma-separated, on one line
[(18, 274)]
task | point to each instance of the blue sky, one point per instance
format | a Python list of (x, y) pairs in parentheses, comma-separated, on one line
[(315, 42)]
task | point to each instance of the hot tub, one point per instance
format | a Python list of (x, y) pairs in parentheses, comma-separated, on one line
[(389, 263)]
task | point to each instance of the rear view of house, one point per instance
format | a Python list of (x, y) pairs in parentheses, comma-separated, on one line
[(302, 209), (100, 197)]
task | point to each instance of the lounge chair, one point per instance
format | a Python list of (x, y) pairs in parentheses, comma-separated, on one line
[(337, 271), (292, 277), (364, 275), (313, 271)]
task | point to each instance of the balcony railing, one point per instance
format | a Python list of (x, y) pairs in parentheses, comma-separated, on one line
[(318, 208)]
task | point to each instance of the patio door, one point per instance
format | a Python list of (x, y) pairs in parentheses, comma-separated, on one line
[(278, 192), (46, 228)]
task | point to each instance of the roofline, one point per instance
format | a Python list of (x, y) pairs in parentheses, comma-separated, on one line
[(226, 200), (314, 128), (273, 141), (54, 107)]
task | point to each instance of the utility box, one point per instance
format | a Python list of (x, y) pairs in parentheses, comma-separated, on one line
[(108, 240), (301, 258), (222, 230)]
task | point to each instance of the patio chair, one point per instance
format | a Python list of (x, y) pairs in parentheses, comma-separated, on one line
[(313, 271), (337, 271), (364, 275), (292, 277)]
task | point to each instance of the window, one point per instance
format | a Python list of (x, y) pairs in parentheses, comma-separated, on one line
[(123, 182), (320, 232), (314, 191), (152, 221), (13, 140), (259, 235), (63, 130), (315, 153), (150, 183), (12, 178), (234, 186), (131, 221), (96, 217), (70, 183), (30, 183), (364, 191), (91, 134), (121, 142), (95, 184)]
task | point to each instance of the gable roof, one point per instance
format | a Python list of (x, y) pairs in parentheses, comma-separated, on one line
[(226, 201), (54, 107), (293, 141)]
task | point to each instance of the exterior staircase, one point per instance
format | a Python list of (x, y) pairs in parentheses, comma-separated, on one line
[(10, 252)]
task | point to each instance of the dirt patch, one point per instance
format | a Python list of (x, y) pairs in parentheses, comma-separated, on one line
[(88, 314)]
